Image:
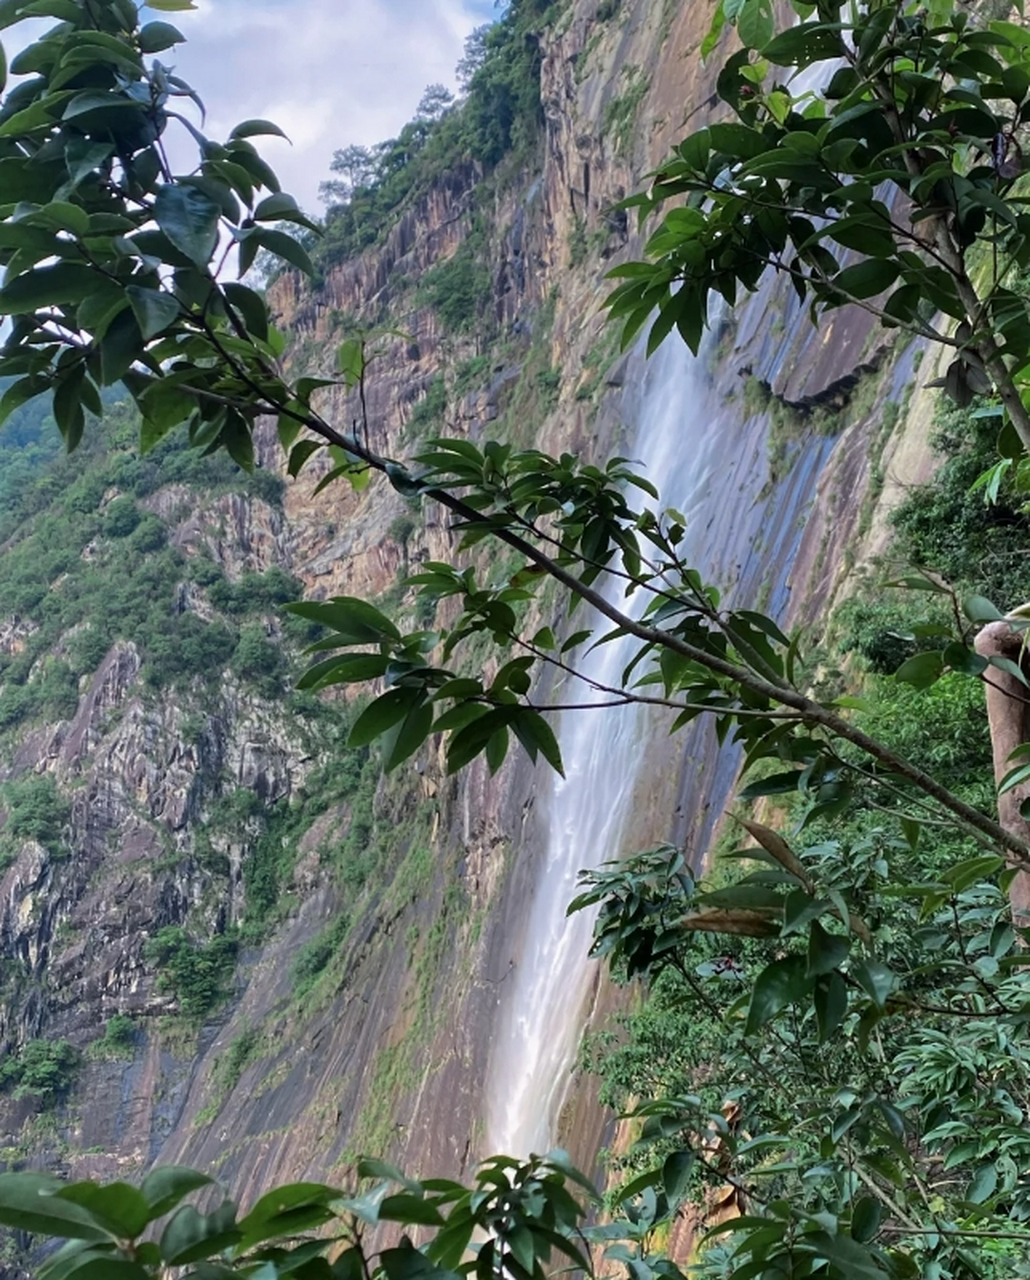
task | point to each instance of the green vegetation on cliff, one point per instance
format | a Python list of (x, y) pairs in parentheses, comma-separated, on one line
[(498, 116), (861, 1105)]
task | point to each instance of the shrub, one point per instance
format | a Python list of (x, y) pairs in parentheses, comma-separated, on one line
[(259, 660), (120, 518), (459, 290), (315, 955), (36, 810), (240, 1051), (88, 648), (196, 974), (119, 1038), (41, 1069), (946, 526), (150, 535)]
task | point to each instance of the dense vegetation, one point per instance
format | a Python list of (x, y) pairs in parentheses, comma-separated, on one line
[(498, 115), (84, 564)]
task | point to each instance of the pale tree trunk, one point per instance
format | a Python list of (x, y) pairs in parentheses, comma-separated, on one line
[(1008, 710)]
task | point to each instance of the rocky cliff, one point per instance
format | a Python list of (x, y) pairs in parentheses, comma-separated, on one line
[(369, 926)]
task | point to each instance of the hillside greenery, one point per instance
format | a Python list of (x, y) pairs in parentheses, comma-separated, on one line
[(497, 117), (859, 1107), (86, 565)]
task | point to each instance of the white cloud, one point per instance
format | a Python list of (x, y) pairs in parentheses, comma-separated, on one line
[(329, 72)]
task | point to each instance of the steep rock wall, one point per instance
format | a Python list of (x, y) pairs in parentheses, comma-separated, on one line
[(387, 1050)]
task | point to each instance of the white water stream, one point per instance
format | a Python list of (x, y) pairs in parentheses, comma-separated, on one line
[(682, 440)]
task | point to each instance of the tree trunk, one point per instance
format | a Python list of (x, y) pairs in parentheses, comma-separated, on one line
[(1008, 710)]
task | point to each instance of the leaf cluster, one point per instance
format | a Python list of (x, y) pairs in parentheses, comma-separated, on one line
[(517, 1219), (872, 191)]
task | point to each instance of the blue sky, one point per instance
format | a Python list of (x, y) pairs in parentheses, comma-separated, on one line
[(329, 72)]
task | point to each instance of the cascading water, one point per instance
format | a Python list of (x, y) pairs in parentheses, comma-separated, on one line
[(708, 459)]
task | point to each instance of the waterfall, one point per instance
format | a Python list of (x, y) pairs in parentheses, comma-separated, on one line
[(680, 444), (708, 457)]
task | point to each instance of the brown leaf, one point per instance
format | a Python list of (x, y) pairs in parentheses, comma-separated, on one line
[(775, 845)]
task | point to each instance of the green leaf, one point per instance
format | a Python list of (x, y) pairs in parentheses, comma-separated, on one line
[(28, 1203), (119, 1208), (831, 1003), (475, 737), (300, 453), (980, 609), (120, 348), (866, 279), (190, 221), (68, 411), (59, 284), (350, 668), (64, 216), (251, 306), (155, 37), (283, 246), (405, 738), (676, 1173), (865, 1219), (164, 405), (962, 659), (876, 979), (381, 715), (777, 986), (238, 442), (410, 1210), (355, 621), (1014, 778), (963, 875), (921, 670), (285, 1211), (155, 310), (350, 360), (277, 205), (983, 1184), (255, 128), (756, 24), (826, 951), (407, 1263), (164, 1187), (537, 736), (190, 1236), (776, 784), (848, 1257), (19, 393)]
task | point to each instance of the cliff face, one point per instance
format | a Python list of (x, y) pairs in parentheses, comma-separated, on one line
[(364, 1000)]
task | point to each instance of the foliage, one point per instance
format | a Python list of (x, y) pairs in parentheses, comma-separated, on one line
[(871, 1060), (240, 1052), (460, 289), (119, 1038), (36, 810), (315, 955), (79, 580), (921, 111), (197, 975), (259, 660), (523, 1216), (40, 1069), (500, 113), (829, 1083), (946, 525)]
